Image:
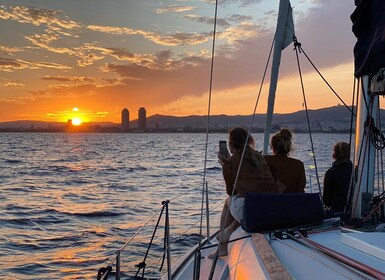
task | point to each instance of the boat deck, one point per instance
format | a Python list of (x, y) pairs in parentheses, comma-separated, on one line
[(259, 257)]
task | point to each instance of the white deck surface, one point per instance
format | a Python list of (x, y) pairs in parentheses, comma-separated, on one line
[(244, 261)]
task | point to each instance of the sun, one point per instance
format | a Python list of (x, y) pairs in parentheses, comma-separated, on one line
[(76, 121)]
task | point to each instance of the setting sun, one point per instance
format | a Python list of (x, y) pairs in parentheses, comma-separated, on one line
[(76, 121)]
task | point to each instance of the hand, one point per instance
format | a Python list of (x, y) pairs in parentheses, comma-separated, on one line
[(222, 158)]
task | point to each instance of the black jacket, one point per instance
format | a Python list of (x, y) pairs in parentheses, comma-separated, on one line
[(336, 185)]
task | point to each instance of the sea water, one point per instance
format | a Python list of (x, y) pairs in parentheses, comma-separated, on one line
[(68, 201)]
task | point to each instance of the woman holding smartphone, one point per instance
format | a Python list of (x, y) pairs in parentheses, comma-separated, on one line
[(254, 176)]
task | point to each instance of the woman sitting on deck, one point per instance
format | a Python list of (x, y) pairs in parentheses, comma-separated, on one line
[(337, 178), (254, 176), (288, 170)]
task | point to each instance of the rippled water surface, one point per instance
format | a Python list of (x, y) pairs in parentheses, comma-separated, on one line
[(69, 201)]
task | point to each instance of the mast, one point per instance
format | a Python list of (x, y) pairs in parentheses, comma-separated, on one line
[(369, 57), (284, 35), (364, 151)]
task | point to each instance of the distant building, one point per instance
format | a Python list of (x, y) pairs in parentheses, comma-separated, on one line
[(69, 122), (142, 118), (316, 125), (125, 119)]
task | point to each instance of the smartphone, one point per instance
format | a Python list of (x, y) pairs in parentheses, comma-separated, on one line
[(223, 148)]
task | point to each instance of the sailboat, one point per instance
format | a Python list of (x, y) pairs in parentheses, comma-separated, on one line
[(289, 236)]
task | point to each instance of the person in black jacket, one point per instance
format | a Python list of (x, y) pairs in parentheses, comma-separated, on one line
[(337, 179)]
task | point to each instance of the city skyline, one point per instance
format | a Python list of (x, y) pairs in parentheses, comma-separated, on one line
[(94, 56), (337, 119), (328, 119)]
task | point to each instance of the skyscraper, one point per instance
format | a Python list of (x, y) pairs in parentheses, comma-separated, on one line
[(125, 119), (142, 118)]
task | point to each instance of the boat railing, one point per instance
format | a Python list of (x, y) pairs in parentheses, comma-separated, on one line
[(116, 260), (310, 182)]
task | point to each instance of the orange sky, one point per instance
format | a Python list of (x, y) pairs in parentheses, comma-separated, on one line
[(55, 56)]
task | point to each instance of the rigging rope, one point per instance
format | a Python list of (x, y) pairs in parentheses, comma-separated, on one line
[(348, 205), (197, 273), (352, 115), (378, 141), (327, 83), (381, 158), (372, 137), (376, 136), (297, 47), (244, 149), (208, 115)]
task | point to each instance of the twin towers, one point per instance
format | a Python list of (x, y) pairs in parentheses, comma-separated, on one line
[(141, 119)]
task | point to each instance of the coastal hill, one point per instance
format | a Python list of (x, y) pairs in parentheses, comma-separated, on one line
[(335, 118)]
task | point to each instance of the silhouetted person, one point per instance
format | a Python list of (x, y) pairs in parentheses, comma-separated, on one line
[(337, 179), (290, 171)]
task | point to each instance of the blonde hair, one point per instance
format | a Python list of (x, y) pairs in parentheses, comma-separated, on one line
[(281, 141)]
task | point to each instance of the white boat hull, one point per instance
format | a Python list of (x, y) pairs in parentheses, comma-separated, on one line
[(247, 260)]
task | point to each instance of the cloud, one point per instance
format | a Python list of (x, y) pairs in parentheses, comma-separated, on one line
[(239, 18), (207, 20), (161, 60), (56, 25), (10, 50), (7, 83), (113, 30), (54, 20), (243, 31), (165, 76), (325, 33), (69, 79), (242, 3), (177, 39), (87, 54), (67, 90), (125, 55), (17, 100), (43, 41), (10, 65), (102, 114), (241, 63), (174, 9)]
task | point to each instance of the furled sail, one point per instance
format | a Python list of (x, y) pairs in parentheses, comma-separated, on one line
[(369, 27), (283, 37)]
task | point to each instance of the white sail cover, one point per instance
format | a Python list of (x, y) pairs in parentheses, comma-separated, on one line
[(283, 37)]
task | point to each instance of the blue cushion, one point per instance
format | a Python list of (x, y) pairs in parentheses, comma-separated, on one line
[(271, 211)]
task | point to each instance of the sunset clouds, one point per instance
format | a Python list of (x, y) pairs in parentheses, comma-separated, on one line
[(55, 56)]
